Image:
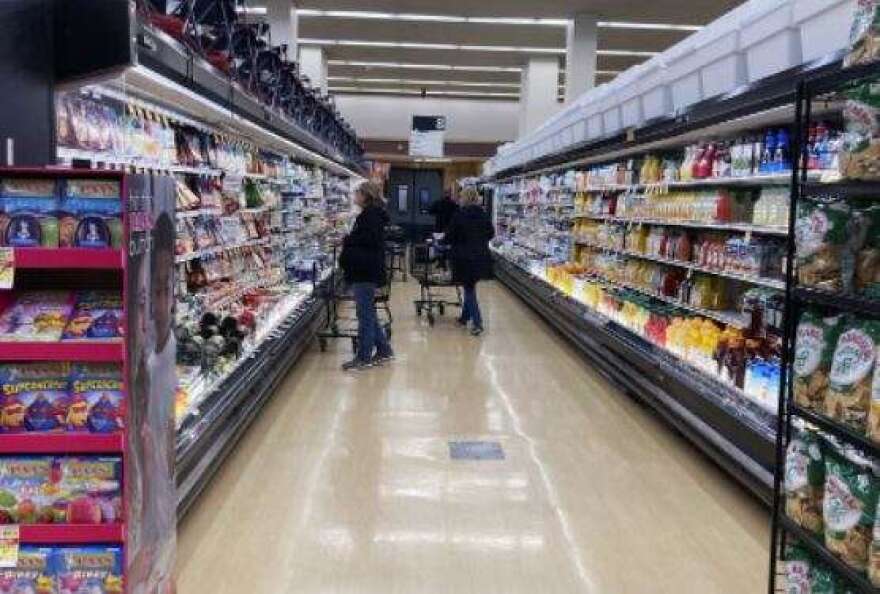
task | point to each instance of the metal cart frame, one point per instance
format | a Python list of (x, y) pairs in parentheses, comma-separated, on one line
[(424, 268)]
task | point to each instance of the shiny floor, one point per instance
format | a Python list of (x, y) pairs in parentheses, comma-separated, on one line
[(345, 485)]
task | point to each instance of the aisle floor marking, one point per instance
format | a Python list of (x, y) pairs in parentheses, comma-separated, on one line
[(476, 450)]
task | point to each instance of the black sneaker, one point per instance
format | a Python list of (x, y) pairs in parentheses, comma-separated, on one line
[(460, 322), (380, 359), (476, 330), (356, 365)]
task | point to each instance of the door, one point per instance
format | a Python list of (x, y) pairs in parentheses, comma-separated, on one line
[(411, 193)]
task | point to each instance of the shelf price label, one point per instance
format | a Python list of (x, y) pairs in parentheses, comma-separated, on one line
[(10, 540), (7, 267)]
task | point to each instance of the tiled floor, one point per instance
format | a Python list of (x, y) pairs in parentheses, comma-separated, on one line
[(345, 484)]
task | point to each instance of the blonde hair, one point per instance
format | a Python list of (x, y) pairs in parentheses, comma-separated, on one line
[(470, 196), (372, 193)]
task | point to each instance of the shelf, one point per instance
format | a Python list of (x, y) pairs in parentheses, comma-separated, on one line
[(850, 303), (842, 188), (755, 280), (201, 212), (838, 430), (91, 352), (79, 258), (774, 179), (72, 534), (61, 443), (738, 227), (218, 249), (99, 158), (812, 542)]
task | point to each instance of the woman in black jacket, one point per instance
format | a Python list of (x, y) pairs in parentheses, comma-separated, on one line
[(363, 262), (468, 235)]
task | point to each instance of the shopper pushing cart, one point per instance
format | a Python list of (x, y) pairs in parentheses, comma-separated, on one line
[(363, 262), (468, 236)]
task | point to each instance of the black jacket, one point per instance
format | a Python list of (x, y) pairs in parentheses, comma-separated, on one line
[(468, 235), (443, 210), (363, 250)]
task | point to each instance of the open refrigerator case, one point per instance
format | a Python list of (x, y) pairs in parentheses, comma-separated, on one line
[(254, 226)]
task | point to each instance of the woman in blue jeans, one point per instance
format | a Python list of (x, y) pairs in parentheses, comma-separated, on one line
[(363, 262), (468, 235)]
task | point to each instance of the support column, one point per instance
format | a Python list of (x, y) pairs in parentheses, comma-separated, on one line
[(313, 63), (538, 99), (581, 55), (283, 24)]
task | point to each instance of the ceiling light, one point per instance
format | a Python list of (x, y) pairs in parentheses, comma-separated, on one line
[(439, 46), (647, 26), (414, 66), (639, 54), (426, 83), (392, 91)]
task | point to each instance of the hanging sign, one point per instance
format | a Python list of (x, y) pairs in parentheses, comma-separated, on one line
[(427, 136)]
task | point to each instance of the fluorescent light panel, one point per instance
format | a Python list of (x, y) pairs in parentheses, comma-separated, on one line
[(472, 48), (415, 66), (437, 18), (424, 83), (392, 91)]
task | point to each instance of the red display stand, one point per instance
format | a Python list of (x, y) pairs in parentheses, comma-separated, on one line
[(143, 272)]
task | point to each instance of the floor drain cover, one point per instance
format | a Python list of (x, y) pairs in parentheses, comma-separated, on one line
[(475, 450)]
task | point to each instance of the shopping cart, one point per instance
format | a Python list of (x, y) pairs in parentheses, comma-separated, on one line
[(429, 265), (395, 251), (341, 318)]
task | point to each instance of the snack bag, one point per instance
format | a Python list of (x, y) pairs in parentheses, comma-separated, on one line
[(797, 569), (89, 490), (28, 218), (26, 490), (814, 346), (804, 481), (89, 570), (34, 573), (821, 235), (35, 396), (36, 316), (92, 214), (860, 150), (874, 560), (849, 505), (96, 316), (96, 398), (867, 267), (849, 383), (824, 581), (864, 35)]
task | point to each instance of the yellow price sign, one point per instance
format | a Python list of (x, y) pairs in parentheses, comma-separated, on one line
[(10, 540)]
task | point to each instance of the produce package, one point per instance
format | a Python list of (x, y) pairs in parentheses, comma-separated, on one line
[(89, 570), (867, 268), (815, 341), (96, 316), (35, 396), (96, 398), (864, 36), (860, 153), (823, 234), (849, 506), (33, 574), (805, 481), (848, 399), (28, 213), (91, 214), (798, 565), (36, 316)]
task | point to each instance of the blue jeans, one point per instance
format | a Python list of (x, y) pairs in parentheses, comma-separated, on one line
[(371, 335), (470, 308)]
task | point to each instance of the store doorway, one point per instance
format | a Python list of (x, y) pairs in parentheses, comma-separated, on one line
[(411, 193)]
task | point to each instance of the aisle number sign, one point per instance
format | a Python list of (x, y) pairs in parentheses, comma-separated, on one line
[(427, 136)]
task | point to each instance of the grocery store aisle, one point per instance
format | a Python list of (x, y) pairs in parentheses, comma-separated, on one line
[(345, 483)]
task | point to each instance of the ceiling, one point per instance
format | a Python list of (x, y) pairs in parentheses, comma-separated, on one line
[(439, 71)]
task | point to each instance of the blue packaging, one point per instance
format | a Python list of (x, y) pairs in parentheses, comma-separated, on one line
[(34, 574), (96, 398), (89, 570)]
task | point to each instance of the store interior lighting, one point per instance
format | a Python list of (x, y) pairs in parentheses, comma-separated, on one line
[(415, 66), (473, 48)]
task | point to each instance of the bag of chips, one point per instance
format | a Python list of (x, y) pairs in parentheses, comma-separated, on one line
[(860, 151), (805, 481), (821, 234), (864, 36), (850, 379), (797, 569), (849, 506), (814, 346), (874, 560)]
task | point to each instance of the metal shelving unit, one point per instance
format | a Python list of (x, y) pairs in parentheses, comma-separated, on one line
[(810, 93)]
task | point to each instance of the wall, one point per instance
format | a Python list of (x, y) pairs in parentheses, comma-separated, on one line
[(383, 117)]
